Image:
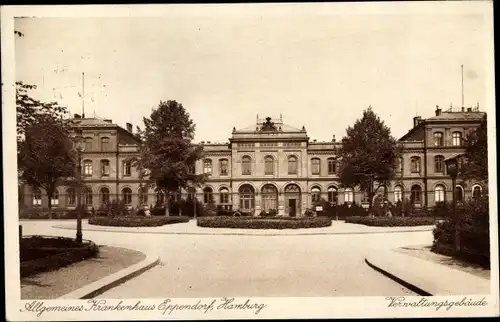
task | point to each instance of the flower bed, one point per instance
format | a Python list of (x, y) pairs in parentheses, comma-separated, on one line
[(40, 253), (137, 221), (263, 223), (391, 221)]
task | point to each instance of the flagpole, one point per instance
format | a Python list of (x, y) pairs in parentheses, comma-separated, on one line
[(462, 86), (83, 95)]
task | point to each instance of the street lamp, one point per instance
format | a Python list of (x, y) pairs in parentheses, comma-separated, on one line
[(452, 169), (80, 147)]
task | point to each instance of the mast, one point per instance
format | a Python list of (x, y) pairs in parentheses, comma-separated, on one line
[(462, 66), (83, 95)]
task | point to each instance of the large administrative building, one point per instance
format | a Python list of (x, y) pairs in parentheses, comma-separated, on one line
[(270, 165)]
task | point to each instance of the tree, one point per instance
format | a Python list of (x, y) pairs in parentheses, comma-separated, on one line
[(46, 155), (368, 155), (166, 152), (476, 153)]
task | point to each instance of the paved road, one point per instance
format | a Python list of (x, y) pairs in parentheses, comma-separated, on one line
[(253, 266)]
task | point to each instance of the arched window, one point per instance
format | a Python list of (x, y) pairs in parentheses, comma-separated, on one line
[(105, 145), (87, 196), (246, 165), (223, 167), (268, 165), (247, 197), (55, 198), (459, 193), (416, 194), (88, 144), (269, 197), (224, 196), (315, 194), (207, 195), (292, 165), (399, 165), (332, 166), (315, 166), (71, 196), (476, 191), (348, 195), (87, 167), (332, 195), (439, 164), (104, 196), (160, 197), (415, 164), (143, 195), (127, 168), (207, 166), (104, 168), (398, 193), (456, 138), (438, 139), (37, 197), (127, 195), (439, 193)]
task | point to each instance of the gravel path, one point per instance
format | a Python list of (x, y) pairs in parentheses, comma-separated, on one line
[(51, 285)]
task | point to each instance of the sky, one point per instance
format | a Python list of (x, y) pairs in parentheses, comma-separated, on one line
[(317, 65)]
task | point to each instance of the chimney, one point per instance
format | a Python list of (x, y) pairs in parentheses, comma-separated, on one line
[(129, 127), (77, 116), (202, 142), (108, 121), (315, 140), (438, 110), (469, 109), (333, 139), (208, 142), (416, 120)]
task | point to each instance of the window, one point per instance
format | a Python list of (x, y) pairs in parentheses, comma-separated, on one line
[(315, 194), (104, 196), (416, 194), (476, 191), (87, 196), (268, 165), (105, 145), (88, 144), (143, 195), (87, 168), (223, 167), (247, 197), (37, 197), (224, 196), (399, 165), (127, 195), (160, 197), (192, 168), (398, 193), (439, 164), (55, 198), (127, 168), (71, 197), (415, 164), (315, 166), (348, 195), (456, 138), (459, 193), (439, 193), (207, 195), (104, 167), (438, 139), (332, 166), (246, 165), (292, 165), (269, 197), (332, 195), (207, 166)]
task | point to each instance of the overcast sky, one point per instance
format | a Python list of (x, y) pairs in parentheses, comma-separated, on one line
[(318, 66)]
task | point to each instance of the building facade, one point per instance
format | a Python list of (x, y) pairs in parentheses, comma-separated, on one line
[(271, 165)]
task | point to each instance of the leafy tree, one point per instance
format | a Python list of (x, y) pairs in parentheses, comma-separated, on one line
[(46, 155), (368, 155), (476, 153), (166, 152)]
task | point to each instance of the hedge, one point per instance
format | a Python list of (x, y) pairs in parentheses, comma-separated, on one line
[(57, 213), (137, 221), (41, 254), (263, 223), (391, 221)]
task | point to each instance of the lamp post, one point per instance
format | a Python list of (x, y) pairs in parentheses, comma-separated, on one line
[(452, 169), (79, 145)]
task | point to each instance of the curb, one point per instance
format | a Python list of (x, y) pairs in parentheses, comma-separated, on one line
[(113, 280), (406, 284)]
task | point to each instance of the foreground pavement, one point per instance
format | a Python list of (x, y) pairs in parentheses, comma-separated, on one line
[(207, 265)]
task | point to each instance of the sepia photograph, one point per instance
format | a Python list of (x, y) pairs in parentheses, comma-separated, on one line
[(215, 161)]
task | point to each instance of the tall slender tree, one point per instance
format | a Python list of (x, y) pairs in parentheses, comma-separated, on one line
[(476, 153), (368, 155), (167, 153)]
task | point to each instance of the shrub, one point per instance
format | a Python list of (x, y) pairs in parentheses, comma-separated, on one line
[(270, 213), (391, 221), (263, 223), (137, 221), (349, 210), (57, 213)]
